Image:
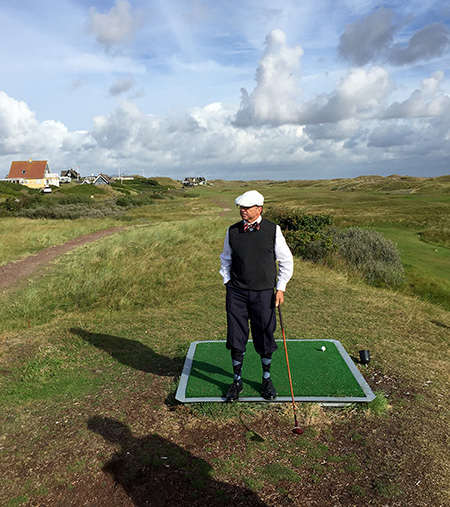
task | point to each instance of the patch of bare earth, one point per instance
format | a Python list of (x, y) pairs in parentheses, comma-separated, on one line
[(139, 449), (13, 273)]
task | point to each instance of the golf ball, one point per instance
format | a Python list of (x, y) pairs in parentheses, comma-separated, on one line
[(323, 348)]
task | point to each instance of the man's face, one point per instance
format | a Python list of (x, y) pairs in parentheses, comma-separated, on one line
[(250, 214)]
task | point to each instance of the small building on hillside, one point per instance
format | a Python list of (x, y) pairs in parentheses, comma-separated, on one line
[(102, 179), (33, 174), (193, 181), (70, 175)]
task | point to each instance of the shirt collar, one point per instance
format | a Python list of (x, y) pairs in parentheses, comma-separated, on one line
[(257, 221)]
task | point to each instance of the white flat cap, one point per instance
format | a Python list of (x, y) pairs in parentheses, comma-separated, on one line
[(249, 199)]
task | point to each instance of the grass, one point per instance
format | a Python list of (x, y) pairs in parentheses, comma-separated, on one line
[(92, 376), (31, 236), (427, 265)]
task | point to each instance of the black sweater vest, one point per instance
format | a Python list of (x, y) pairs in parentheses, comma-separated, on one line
[(253, 264)]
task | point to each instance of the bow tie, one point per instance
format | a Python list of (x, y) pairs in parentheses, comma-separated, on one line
[(251, 227)]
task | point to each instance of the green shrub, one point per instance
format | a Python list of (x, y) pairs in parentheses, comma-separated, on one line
[(79, 189), (70, 211), (12, 205), (130, 201), (300, 243), (74, 199), (319, 247), (138, 184), (124, 201), (294, 220), (14, 189), (364, 251), (301, 229)]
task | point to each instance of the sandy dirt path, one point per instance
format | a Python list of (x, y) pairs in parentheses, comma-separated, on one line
[(14, 272)]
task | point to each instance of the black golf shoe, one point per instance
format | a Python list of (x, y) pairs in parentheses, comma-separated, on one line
[(233, 391), (268, 390)]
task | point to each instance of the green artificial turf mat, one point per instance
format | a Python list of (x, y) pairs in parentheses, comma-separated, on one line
[(328, 375)]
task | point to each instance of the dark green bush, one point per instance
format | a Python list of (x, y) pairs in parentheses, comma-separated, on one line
[(14, 189), (13, 205), (138, 184), (71, 211), (364, 251), (295, 220), (57, 212), (79, 189), (129, 201), (124, 201), (74, 199), (300, 229), (45, 201)]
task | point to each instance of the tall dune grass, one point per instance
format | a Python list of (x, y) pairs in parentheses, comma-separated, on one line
[(138, 268), (20, 237)]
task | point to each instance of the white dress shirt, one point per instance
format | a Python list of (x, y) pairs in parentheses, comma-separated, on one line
[(283, 256)]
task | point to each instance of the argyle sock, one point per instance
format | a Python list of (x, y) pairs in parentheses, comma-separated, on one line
[(266, 362), (238, 359)]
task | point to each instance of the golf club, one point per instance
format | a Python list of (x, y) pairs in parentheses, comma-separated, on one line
[(297, 430)]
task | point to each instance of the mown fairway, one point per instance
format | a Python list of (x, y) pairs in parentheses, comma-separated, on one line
[(91, 352)]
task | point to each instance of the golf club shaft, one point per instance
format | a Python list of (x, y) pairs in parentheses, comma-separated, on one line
[(287, 362)]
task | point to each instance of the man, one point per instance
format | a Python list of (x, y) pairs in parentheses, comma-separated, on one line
[(249, 259)]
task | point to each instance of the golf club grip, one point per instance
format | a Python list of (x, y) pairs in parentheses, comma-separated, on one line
[(281, 319)]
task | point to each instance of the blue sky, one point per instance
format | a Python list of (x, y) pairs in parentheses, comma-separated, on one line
[(255, 89)]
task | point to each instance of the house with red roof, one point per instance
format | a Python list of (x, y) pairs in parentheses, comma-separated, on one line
[(33, 174)]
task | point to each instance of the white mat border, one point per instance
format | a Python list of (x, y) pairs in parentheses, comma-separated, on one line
[(331, 400)]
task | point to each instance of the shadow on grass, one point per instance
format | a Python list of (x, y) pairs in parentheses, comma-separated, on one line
[(132, 353), (154, 471), (212, 370), (440, 324)]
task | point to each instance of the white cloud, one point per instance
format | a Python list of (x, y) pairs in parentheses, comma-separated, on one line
[(114, 131), (21, 134), (118, 25), (276, 96), (360, 94), (428, 101)]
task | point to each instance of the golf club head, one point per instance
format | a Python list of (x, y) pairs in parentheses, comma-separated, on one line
[(297, 430)]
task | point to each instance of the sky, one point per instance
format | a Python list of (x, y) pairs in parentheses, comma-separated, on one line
[(255, 89)]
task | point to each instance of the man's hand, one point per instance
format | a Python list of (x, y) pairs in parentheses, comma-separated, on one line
[(279, 298)]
